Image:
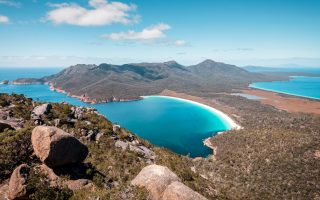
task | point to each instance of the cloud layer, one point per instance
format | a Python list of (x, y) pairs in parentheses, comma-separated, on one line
[(10, 3), (101, 13), (4, 19), (147, 34), (180, 43)]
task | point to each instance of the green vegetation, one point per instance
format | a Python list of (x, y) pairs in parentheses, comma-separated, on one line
[(273, 157), (39, 189), (15, 149)]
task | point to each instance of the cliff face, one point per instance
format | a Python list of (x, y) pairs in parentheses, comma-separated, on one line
[(130, 81)]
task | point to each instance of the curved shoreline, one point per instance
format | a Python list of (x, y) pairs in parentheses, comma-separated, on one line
[(228, 121), (286, 93), (233, 125), (86, 99)]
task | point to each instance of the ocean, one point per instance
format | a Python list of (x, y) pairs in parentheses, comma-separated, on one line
[(308, 87), (306, 70), (10, 73), (177, 125), (303, 86)]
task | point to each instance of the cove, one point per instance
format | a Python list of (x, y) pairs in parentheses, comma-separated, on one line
[(303, 86), (176, 124)]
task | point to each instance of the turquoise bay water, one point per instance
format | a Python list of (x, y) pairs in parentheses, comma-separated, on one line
[(303, 86), (172, 123)]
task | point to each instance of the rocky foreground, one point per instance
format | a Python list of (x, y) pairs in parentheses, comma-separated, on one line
[(58, 151)]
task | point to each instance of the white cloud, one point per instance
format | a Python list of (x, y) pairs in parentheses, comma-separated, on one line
[(180, 43), (101, 13), (10, 3), (147, 34), (4, 19)]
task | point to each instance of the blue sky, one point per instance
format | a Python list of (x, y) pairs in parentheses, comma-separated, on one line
[(241, 32)]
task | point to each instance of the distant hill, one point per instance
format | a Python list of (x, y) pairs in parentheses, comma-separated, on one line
[(130, 81)]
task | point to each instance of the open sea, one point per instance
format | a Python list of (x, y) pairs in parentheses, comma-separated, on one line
[(177, 125), (303, 86)]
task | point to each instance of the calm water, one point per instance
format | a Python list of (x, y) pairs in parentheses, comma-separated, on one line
[(298, 85), (312, 71), (9, 73), (303, 86), (175, 124)]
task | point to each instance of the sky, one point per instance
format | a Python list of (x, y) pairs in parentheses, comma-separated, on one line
[(60, 33)]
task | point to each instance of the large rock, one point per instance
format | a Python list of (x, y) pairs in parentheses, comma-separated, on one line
[(179, 191), (17, 184), (55, 147), (42, 109), (155, 179)]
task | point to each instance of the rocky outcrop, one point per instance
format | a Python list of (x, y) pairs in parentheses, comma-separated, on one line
[(14, 123), (91, 135), (116, 128), (147, 153), (55, 147), (179, 191), (121, 144), (17, 184), (38, 113), (78, 112), (135, 147), (79, 184), (163, 184), (155, 179), (8, 121), (42, 109)]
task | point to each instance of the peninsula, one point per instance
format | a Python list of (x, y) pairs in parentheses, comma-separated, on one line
[(107, 82)]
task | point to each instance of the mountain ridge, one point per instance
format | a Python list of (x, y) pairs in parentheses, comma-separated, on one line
[(106, 82)]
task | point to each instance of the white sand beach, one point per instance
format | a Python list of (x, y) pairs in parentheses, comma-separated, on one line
[(232, 124)]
